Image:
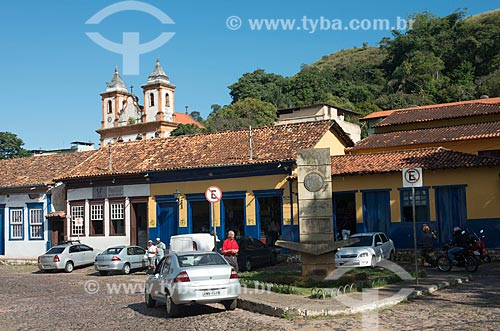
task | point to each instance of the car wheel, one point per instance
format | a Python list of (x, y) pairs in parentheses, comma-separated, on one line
[(248, 265), (69, 267), (171, 308), (392, 256), (150, 302), (103, 273), (373, 263), (230, 304), (126, 269)]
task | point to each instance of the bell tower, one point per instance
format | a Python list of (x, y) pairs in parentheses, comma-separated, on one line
[(158, 96), (114, 100)]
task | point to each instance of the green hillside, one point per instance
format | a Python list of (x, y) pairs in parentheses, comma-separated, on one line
[(441, 59)]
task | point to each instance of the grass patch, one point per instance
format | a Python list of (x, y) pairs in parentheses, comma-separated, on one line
[(292, 282)]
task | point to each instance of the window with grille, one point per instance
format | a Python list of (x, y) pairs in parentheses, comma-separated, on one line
[(36, 223), (77, 218), (422, 211), (117, 219), (97, 219), (16, 224)]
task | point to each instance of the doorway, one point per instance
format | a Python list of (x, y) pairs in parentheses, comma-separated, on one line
[(57, 230), (451, 210), (344, 213), (269, 216), (139, 224), (200, 216), (377, 211), (234, 216)]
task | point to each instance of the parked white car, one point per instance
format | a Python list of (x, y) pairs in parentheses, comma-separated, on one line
[(67, 256), (203, 242), (192, 277), (371, 248)]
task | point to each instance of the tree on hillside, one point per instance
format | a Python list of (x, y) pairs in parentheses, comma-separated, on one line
[(242, 114), (196, 115), (186, 129), (260, 85), (11, 146)]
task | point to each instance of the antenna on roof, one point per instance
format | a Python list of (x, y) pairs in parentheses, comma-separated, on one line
[(250, 142), (110, 159), (187, 107)]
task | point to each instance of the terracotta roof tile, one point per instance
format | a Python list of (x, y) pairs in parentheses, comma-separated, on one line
[(185, 119), (385, 113), (38, 170), (430, 136), (428, 158), (270, 144), (439, 112)]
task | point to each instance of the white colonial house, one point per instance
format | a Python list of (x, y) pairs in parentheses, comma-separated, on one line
[(29, 201)]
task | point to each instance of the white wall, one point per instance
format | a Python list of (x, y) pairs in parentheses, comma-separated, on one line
[(24, 248), (103, 242)]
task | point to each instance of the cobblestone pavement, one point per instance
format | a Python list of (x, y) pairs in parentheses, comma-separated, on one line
[(57, 301)]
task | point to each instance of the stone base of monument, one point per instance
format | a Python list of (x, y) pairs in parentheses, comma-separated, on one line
[(317, 265), (318, 259)]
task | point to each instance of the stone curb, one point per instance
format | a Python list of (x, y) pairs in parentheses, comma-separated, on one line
[(281, 311)]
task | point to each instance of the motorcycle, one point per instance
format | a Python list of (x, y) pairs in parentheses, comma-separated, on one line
[(464, 258), (429, 256), (480, 249)]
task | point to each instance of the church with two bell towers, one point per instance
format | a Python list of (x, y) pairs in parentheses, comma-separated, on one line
[(124, 119)]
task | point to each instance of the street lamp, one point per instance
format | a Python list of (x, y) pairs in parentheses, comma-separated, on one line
[(177, 197)]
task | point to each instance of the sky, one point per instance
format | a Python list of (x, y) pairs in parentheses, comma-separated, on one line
[(52, 72)]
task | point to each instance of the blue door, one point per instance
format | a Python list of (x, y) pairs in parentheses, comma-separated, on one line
[(451, 210), (166, 221), (2, 232), (376, 211)]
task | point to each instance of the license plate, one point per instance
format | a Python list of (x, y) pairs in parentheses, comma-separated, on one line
[(210, 293)]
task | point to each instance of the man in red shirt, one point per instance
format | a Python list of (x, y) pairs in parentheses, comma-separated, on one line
[(230, 250)]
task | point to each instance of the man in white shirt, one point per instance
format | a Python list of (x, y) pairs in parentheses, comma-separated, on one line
[(152, 252), (162, 248)]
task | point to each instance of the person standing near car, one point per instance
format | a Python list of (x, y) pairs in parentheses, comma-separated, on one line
[(152, 252), (230, 250), (161, 249)]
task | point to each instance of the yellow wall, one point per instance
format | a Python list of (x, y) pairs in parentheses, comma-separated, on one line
[(482, 192), (330, 140), (226, 185)]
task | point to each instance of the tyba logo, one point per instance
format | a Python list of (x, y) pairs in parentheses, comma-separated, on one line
[(130, 48)]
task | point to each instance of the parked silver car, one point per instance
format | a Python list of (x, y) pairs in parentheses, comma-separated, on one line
[(121, 258), (192, 277), (371, 248), (67, 256)]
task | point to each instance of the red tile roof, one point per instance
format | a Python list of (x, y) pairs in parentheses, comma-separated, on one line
[(430, 136), (185, 119), (385, 113), (439, 113), (270, 144), (38, 170), (377, 114), (427, 158)]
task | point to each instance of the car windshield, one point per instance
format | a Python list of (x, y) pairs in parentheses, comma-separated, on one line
[(363, 241), (195, 260), (113, 250), (55, 250)]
